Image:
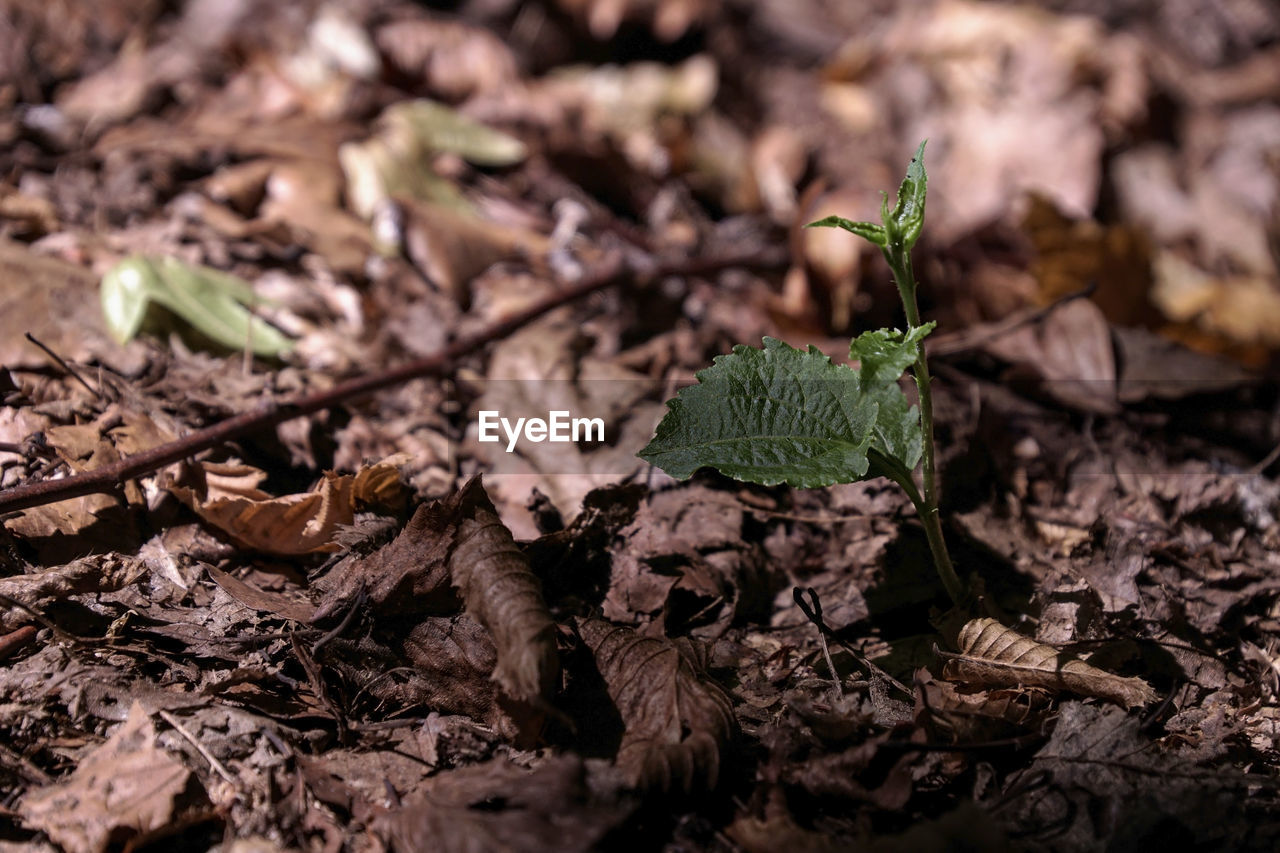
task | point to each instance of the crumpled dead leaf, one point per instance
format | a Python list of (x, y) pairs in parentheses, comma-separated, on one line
[(226, 495), (103, 573), (992, 655), (460, 541), (500, 590), (677, 719), (683, 562), (982, 716), (124, 788), (560, 805)]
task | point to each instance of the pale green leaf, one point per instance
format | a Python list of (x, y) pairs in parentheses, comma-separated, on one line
[(435, 127), (125, 293), (867, 230), (210, 301)]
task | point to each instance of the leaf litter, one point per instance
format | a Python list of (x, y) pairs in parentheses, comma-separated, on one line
[(396, 656)]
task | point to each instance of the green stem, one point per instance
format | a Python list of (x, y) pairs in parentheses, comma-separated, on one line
[(899, 258), (892, 469)]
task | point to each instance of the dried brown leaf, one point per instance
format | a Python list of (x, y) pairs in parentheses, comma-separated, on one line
[(105, 573), (984, 715), (559, 805), (502, 592), (460, 541), (995, 656), (123, 788), (677, 719), (228, 498)]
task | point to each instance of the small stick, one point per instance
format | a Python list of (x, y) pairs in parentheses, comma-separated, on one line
[(825, 630), (208, 756), (815, 616), (16, 639), (109, 478), (63, 364)]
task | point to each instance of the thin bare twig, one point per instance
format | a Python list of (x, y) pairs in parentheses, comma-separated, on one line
[(826, 632), (110, 478), (63, 364), (208, 756)]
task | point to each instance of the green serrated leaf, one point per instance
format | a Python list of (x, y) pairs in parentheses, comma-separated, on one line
[(907, 218), (780, 415), (882, 356), (866, 230), (768, 416), (212, 302)]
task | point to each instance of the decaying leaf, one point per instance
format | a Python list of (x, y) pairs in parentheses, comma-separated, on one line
[(559, 805), (501, 591), (124, 788), (97, 574), (992, 655), (461, 541), (226, 495), (677, 720), (983, 715)]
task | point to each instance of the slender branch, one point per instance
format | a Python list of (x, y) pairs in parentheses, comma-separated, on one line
[(109, 478)]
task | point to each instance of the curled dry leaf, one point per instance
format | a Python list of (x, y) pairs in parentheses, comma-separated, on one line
[(460, 541), (983, 715), (502, 592), (86, 576), (227, 496), (677, 719), (992, 655)]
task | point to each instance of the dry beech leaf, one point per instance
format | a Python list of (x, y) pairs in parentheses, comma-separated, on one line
[(227, 496), (502, 592), (677, 719), (123, 788), (229, 499), (460, 541), (992, 655)]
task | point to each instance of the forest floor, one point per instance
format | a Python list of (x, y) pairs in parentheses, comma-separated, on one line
[(318, 629)]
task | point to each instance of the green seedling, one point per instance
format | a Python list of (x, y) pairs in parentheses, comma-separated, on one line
[(780, 415), (211, 302)]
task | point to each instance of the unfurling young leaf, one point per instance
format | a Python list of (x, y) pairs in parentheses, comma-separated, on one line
[(780, 415), (907, 218), (211, 302)]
